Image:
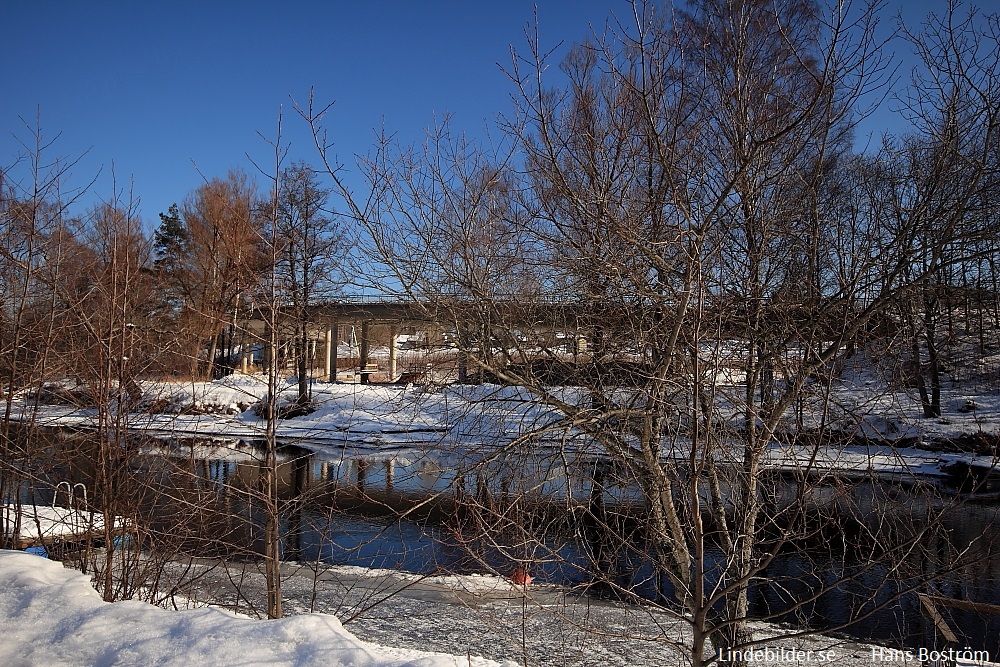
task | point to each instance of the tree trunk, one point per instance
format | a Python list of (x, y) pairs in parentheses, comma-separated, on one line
[(932, 407)]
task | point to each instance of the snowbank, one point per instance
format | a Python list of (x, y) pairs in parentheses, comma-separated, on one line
[(52, 616)]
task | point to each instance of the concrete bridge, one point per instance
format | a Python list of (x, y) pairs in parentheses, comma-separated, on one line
[(385, 319)]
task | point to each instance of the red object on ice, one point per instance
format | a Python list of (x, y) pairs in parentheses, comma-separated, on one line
[(520, 577)]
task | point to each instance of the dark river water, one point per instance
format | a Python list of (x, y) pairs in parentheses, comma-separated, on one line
[(567, 519)]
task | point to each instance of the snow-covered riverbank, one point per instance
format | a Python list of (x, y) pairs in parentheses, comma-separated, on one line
[(51, 616), (886, 426)]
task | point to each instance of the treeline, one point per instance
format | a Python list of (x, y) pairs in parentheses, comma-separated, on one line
[(96, 296)]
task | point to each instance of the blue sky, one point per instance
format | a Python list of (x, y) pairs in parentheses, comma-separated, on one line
[(154, 89)]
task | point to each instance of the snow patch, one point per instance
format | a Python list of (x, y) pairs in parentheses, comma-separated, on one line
[(52, 616)]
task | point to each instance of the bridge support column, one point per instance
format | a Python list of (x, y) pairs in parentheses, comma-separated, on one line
[(268, 353), (393, 340), (365, 377), (331, 351)]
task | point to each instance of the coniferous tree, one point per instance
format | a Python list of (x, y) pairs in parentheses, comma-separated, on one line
[(170, 241)]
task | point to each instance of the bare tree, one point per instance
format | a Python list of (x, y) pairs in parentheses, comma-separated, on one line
[(103, 297), (270, 297), (941, 177), (222, 260), (311, 243), (34, 199)]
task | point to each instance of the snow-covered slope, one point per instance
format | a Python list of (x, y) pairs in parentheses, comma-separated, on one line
[(51, 616)]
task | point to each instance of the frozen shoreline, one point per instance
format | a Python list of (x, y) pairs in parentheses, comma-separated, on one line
[(52, 616)]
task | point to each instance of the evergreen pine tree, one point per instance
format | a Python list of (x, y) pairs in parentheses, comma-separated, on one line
[(169, 241)]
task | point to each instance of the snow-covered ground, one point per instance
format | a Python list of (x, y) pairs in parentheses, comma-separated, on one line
[(865, 400), (541, 626), (51, 616)]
